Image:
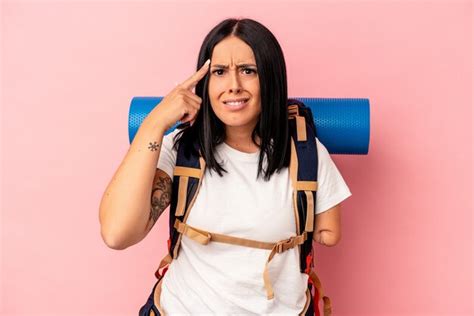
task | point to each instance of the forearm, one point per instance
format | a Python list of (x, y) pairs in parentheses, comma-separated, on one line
[(125, 206), (327, 238)]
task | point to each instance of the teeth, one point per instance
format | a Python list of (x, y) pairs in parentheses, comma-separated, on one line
[(236, 103)]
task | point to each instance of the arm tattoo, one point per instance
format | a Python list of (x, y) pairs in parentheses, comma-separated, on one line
[(160, 200), (154, 146)]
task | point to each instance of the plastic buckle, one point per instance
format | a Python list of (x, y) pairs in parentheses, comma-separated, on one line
[(280, 245)]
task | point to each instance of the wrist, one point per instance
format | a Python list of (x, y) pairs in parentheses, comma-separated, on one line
[(153, 127)]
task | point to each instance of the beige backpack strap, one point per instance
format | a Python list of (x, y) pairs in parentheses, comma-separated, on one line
[(164, 262), (317, 283), (204, 237), (280, 247), (293, 113), (184, 173), (306, 186), (294, 179)]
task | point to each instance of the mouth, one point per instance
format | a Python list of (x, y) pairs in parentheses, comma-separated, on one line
[(237, 104)]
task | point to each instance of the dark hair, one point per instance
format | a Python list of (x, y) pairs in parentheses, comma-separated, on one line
[(208, 130)]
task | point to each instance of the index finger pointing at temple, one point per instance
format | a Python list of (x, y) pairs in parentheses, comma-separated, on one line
[(192, 81)]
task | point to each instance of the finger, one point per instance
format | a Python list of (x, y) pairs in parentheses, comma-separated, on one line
[(192, 96), (189, 116), (192, 81), (192, 102)]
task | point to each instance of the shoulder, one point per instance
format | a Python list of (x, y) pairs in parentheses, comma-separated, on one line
[(322, 150)]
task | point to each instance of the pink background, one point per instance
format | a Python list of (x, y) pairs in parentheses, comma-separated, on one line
[(70, 69)]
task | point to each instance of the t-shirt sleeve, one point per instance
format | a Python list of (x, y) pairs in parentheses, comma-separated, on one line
[(332, 189), (167, 159)]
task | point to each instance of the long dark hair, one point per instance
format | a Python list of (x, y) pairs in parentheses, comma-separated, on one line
[(208, 130)]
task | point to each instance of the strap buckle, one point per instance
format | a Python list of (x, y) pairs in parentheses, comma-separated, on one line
[(291, 242)]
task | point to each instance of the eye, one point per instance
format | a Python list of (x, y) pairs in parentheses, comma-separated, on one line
[(247, 71), (250, 69), (217, 70)]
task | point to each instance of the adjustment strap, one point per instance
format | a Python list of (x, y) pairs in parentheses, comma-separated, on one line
[(293, 113), (313, 279), (184, 173), (279, 247), (203, 237), (187, 172), (164, 262), (195, 234), (301, 128), (293, 110), (182, 195), (309, 226), (307, 185)]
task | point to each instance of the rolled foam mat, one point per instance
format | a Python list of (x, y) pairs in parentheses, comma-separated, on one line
[(342, 124)]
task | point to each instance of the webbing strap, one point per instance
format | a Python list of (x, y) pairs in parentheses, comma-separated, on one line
[(203, 237), (309, 226), (318, 289), (293, 113), (301, 128), (307, 185), (182, 195), (184, 174), (164, 262), (187, 171), (279, 247)]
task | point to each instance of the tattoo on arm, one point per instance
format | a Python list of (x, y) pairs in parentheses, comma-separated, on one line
[(153, 146), (161, 199)]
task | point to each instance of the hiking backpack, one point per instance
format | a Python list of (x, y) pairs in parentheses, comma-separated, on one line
[(303, 170)]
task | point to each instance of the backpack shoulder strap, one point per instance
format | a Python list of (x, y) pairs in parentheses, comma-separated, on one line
[(304, 175), (187, 178), (188, 173), (303, 172)]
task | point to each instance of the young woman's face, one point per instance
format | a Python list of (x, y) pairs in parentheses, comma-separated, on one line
[(233, 76)]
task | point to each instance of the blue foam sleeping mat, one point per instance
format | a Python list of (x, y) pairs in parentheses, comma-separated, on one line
[(342, 124)]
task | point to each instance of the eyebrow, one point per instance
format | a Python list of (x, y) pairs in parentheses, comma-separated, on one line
[(238, 66)]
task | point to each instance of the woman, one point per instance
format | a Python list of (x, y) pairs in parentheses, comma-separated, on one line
[(238, 117)]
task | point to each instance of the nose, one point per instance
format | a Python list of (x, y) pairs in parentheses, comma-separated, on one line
[(235, 86)]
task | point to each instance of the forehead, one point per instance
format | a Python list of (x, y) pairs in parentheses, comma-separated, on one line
[(232, 50)]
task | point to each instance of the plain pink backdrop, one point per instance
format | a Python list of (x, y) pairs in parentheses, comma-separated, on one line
[(70, 69)]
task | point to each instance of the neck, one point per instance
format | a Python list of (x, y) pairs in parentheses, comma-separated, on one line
[(240, 138)]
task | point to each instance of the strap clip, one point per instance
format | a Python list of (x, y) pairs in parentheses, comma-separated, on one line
[(291, 242)]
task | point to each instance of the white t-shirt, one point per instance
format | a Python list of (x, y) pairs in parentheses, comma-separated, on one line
[(228, 279)]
